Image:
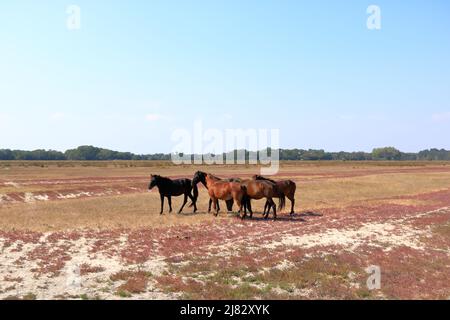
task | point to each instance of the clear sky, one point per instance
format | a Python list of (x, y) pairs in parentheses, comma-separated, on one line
[(137, 70)]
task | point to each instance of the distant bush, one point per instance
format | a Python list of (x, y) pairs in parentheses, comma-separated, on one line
[(388, 153), (6, 154), (90, 153), (94, 153)]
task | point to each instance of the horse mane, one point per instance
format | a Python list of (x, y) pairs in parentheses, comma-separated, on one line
[(161, 178), (215, 177), (258, 177)]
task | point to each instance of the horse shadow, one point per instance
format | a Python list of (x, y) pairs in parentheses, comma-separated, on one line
[(309, 214), (258, 217), (291, 218), (190, 213)]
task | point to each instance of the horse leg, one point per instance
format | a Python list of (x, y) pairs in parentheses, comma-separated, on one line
[(240, 203), (271, 204), (239, 199), (193, 201), (184, 203), (169, 198), (266, 206), (210, 203), (274, 210), (216, 206), (292, 205), (229, 205), (162, 203), (249, 206)]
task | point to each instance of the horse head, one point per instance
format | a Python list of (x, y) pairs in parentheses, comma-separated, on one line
[(199, 176), (153, 181)]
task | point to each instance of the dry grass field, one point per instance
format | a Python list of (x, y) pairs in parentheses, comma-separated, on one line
[(91, 230)]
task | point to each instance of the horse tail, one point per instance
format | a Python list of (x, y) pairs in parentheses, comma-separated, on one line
[(282, 198), (282, 202), (195, 194), (245, 198)]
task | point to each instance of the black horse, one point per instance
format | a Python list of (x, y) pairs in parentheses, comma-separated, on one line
[(168, 188)]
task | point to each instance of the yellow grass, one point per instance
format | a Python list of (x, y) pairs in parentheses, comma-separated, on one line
[(315, 190), (346, 191)]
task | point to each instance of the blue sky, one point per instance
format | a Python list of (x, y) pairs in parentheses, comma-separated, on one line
[(138, 70)]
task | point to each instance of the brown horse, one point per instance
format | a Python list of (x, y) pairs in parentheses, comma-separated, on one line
[(288, 188), (220, 190), (258, 189), (229, 203)]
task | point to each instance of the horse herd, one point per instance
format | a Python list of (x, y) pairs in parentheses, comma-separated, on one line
[(233, 190)]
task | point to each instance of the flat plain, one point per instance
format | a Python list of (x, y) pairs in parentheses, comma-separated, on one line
[(92, 230)]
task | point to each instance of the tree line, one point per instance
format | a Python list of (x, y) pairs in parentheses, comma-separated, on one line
[(94, 153)]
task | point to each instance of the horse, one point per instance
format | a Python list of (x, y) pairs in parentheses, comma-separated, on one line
[(168, 188), (258, 189), (229, 203), (287, 186), (220, 189)]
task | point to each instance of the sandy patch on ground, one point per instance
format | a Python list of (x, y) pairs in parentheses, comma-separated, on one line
[(382, 235), (18, 276)]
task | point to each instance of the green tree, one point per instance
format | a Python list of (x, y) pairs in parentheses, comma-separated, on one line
[(387, 153)]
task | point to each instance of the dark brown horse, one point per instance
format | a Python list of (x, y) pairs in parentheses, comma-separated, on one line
[(287, 186), (168, 188), (220, 190), (258, 189)]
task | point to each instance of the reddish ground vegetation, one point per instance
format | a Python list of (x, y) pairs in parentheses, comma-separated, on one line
[(320, 252)]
